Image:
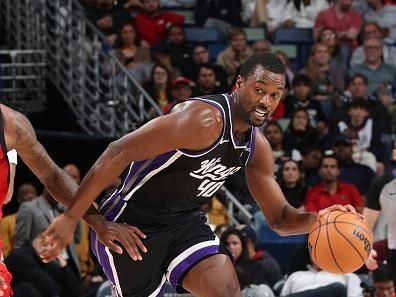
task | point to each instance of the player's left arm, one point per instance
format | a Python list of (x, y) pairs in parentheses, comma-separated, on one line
[(281, 216), (12, 160)]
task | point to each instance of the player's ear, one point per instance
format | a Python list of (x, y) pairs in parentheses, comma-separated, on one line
[(239, 81)]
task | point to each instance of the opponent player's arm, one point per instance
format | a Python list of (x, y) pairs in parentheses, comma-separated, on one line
[(281, 216), (12, 160), (20, 136), (194, 126)]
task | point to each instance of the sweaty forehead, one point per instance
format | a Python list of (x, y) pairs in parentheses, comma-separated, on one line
[(268, 77)]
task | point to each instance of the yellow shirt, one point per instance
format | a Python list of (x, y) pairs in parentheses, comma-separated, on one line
[(7, 232)]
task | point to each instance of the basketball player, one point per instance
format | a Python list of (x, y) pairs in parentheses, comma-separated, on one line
[(17, 133), (177, 163)]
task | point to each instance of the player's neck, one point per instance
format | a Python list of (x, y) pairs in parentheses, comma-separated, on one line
[(239, 125)]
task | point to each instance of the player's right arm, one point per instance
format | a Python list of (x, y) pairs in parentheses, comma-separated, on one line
[(281, 216), (194, 126)]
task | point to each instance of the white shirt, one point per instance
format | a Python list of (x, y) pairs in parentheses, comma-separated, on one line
[(307, 280), (305, 17)]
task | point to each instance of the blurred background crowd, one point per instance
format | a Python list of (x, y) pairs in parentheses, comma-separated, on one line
[(332, 134)]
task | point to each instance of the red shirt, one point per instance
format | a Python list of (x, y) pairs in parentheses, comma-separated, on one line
[(329, 18), (4, 166), (319, 198), (153, 29)]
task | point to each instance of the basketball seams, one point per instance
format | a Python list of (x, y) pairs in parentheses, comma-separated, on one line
[(346, 238), (341, 222), (316, 241), (328, 241), (366, 231)]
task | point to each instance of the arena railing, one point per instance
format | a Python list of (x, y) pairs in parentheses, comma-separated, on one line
[(22, 76), (237, 212), (105, 97)]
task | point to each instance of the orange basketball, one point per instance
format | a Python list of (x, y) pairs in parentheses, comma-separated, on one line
[(339, 242)]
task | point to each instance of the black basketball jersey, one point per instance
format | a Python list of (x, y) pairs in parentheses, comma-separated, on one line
[(174, 184)]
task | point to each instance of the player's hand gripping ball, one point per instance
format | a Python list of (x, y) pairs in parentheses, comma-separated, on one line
[(340, 242)]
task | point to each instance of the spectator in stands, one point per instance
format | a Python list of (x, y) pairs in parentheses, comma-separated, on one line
[(316, 282), (332, 191), (152, 23), (342, 18), (377, 72), (108, 15), (384, 282), (351, 172), (383, 14), (180, 51), (33, 218), (326, 78), (359, 125), (311, 158), (275, 14), (358, 89), (162, 54), (216, 213), (261, 46), (159, 86), (299, 133), (255, 273), (235, 54), (206, 81), (269, 264), (301, 97), (274, 134), (181, 90), (328, 36), (221, 14), (302, 14), (292, 183), (26, 192), (128, 48), (285, 60), (200, 55), (381, 202), (372, 29), (328, 132), (54, 279), (378, 106)]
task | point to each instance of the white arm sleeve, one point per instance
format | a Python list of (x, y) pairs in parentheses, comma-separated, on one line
[(12, 157)]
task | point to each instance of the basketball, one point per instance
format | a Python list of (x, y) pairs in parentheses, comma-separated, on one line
[(339, 242)]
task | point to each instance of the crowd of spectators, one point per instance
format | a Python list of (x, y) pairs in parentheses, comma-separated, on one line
[(331, 135)]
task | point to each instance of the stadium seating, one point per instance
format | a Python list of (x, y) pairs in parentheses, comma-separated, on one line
[(302, 38), (199, 34)]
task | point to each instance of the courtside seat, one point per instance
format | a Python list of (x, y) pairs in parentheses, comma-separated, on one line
[(280, 247), (254, 34), (215, 49), (199, 34), (293, 35), (302, 38)]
